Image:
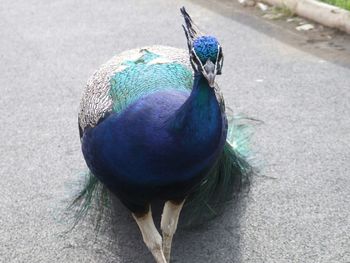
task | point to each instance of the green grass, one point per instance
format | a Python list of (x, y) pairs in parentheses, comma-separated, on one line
[(341, 3), (285, 11)]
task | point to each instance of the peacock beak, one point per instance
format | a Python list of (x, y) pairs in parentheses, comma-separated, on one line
[(209, 72)]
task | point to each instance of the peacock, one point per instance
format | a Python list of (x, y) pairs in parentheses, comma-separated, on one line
[(153, 126)]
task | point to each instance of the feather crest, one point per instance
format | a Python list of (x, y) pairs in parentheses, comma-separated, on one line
[(190, 26)]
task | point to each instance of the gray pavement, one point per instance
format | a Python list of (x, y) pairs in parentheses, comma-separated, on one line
[(298, 209)]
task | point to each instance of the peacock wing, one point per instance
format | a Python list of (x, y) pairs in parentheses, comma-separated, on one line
[(98, 100)]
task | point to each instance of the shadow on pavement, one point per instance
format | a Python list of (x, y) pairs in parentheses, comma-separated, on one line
[(198, 244)]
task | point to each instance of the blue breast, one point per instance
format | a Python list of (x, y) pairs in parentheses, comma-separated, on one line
[(139, 152)]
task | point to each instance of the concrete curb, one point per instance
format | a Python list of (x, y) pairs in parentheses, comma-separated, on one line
[(319, 12)]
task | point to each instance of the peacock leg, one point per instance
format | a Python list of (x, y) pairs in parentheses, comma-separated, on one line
[(170, 218), (150, 235)]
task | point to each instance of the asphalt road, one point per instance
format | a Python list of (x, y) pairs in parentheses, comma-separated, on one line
[(298, 208)]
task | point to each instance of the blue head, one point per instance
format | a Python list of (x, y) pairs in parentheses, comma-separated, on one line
[(205, 51), (206, 47)]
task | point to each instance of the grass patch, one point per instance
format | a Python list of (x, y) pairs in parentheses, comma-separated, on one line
[(340, 3), (285, 11)]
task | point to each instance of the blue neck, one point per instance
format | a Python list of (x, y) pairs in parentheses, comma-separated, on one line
[(199, 119)]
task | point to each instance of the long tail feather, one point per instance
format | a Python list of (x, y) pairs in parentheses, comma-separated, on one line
[(190, 26), (94, 195)]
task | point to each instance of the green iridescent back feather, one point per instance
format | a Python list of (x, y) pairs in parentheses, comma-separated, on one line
[(146, 75)]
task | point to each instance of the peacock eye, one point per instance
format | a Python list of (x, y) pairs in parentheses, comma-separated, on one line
[(220, 53), (220, 62), (195, 61)]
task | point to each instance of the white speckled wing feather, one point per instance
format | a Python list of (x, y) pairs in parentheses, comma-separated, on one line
[(96, 100)]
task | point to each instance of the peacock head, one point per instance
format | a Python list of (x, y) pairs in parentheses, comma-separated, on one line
[(205, 51)]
